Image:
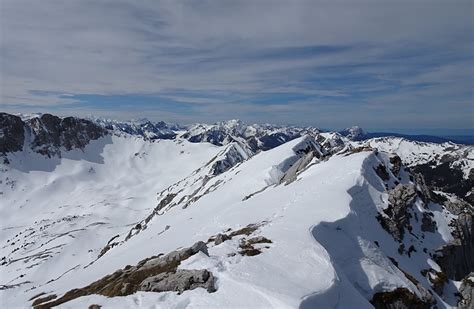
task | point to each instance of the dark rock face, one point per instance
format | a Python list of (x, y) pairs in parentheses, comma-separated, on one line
[(12, 134), (446, 178), (274, 140), (400, 298), (400, 200), (382, 172), (427, 223), (396, 163), (456, 259), (48, 133), (180, 281), (51, 133)]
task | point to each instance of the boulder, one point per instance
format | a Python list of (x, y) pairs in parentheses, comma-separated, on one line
[(180, 281), (220, 238)]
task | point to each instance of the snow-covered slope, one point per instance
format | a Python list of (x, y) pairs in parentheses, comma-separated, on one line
[(317, 222)]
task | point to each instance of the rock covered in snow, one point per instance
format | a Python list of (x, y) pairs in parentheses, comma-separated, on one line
[(354, 133)]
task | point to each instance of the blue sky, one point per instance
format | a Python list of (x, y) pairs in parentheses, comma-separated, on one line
[(404, 66)]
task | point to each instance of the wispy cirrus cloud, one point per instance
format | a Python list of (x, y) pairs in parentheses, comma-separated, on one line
[(331, 64)]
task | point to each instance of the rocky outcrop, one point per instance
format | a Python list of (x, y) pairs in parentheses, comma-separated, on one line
[(12, 135), (157, 273), (447, 178), (427, 223), (456, 259), (179, 281), (396, 163), (300, 165), (50, 133), (233, 155), (220, 238), (457, 206), (466, 291), (381, 171), (397, 217), (400, 298)]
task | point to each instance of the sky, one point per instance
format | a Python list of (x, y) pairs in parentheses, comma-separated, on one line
[(405, 66)]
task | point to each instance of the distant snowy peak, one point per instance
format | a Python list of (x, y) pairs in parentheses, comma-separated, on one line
[(257, 137), (354, 133), (143, 127)]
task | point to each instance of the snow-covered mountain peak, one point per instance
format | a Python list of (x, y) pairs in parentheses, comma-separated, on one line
[(353, 133)]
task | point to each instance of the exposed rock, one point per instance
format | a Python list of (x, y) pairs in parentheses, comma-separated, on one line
[(397, 217), (12, 135), (457, 206), (233, 155), (41, 300), (423, 191), (427, 223), (247, 245), (396, 163), (95, 306), (466, 291), (445, 177), (249, 229), (258, 240), (220, 238), (297, 167), (180, 281), (50, 133), (456, 259), (438, 280), (400, 298), (129, 280), (381, 171)]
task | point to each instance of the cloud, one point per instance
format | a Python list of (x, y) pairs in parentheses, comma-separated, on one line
[(311, 62)]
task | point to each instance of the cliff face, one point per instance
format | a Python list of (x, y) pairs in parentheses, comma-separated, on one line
[(46, 134), (12, 135)]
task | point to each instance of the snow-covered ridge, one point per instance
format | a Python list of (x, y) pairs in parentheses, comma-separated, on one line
[(315, 221)]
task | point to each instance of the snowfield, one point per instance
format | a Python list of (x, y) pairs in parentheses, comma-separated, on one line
[(326, 247)]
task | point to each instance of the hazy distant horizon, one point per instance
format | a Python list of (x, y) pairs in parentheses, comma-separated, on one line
[(441, 132)]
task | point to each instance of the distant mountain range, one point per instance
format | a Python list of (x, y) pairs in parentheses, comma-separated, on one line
[(357, 134)]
